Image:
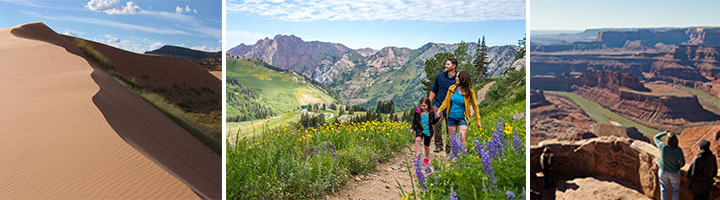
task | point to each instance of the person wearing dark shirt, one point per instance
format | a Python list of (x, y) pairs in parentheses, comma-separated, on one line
[(702, 172), (546, 166), (438, 92)]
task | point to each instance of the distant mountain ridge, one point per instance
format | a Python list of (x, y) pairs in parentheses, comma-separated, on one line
[(186, 53), (363, 76), (628, 38)]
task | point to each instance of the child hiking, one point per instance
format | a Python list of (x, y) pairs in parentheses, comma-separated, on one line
[(423, 120)]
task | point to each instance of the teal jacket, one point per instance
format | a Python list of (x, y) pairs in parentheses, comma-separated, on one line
[(671, 159)]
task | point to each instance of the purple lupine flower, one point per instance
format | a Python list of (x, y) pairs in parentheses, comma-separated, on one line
[(478, 147), (500, 126), (518, 115), (517, 143), (453, 195), (418, 171), (499, 142), (427, 170), (496, 143), (510, 195), (487, 166), (457, 146)]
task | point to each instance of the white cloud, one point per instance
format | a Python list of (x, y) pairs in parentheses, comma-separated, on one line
[(206, 48), (235, 37), (167, 15), (133, 44), (156, 45), (187, 9), (112, 39), (367, 10), (73, 33), (212, 32), (112, 7), (103, 22)]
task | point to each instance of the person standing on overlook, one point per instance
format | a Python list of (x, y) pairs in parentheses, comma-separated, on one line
[(702, 171), (669, 164)]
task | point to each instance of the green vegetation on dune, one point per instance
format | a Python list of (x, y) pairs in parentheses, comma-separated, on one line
[(280, 91), (203, 126), (603, 115)]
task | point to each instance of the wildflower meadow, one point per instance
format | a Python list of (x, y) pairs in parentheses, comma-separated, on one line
[(490, 166), (276, 165)]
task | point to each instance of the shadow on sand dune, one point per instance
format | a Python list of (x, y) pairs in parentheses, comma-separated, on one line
[(144, 127)]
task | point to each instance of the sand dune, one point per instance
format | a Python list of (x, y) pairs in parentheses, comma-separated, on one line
[(180, 78), (217, 74), (69, 130)]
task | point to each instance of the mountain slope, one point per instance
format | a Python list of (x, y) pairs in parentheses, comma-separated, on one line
[(185, 53), (364, 76), (256, 91)]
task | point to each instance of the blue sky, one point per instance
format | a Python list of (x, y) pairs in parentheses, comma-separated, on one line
[(377, 23), (580, 15), (135, 25)]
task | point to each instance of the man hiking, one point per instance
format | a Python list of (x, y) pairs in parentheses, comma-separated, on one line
[(438, 92)]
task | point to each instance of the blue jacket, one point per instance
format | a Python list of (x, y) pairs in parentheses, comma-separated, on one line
[(440, 87)]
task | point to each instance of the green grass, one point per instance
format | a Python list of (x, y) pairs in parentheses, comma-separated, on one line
[(484, 82), (281, 91), (248, 128), (273, 165), (601, 114), (467, 176), (204, 132)]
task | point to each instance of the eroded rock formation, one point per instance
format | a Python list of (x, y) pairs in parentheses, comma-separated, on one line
[(661, 106), (630, 163), (557, 117)]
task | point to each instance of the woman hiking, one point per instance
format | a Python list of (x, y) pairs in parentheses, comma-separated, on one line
[(460, 97)]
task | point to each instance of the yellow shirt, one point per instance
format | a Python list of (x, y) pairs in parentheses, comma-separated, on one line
[(469, 99)]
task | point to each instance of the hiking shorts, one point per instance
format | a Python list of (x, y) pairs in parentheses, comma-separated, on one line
[(426, 138), (456, 122)]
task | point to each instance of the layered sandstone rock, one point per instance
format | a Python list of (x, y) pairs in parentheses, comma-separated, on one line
[(593, 188), (619, 131), (558, 117), (625, 94), (689, 138), (631, 163), (537, 99), (610, 80)]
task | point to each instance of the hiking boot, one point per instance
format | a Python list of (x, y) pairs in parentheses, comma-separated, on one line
[(426, 161), (438, 149)]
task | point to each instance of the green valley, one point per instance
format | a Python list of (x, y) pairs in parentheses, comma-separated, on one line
[(256, 91)]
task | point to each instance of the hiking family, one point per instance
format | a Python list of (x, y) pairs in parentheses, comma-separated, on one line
[(451, 92), (700, 174)]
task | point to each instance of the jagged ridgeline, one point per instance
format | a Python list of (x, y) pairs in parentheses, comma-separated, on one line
[(364, 76), (257, 90)]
